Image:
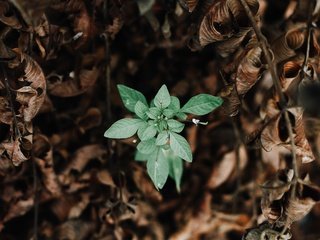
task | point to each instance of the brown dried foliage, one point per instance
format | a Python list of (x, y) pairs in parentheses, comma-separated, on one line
[(60, 58)]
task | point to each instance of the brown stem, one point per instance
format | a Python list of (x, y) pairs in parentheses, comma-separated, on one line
[(263, 44)]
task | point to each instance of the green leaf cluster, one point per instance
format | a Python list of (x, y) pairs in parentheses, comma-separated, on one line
[(158, 126)]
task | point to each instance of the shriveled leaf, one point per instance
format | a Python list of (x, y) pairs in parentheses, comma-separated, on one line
[(68, 85), (123, 128), (32, 96)]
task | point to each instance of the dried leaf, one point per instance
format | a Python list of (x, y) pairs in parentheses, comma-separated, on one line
[(6, 16), (249, 69), (69, 87), (31, 97), (224, 169), (43, 156), (83, 155), (286, 46)]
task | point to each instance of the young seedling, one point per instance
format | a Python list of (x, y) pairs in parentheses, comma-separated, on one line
[(158, 127)]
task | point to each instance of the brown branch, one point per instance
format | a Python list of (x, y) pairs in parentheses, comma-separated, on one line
[(263, 44)]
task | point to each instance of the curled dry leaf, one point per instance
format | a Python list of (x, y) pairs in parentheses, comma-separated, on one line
[(286, 46), (8, 17), (308, 195), (277, 204), (238, 12), (290, 72), (216, 25), (272, 192), (230, 45), (219, 23), (249, 69), (276, 133), (15, 150), (69, 86), (31, 97), (43, 156)]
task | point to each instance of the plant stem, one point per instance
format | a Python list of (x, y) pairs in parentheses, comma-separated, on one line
[(263, 44)]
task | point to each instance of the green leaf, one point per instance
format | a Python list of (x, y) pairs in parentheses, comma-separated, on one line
[(123, 128), (174, 104), (202, 104), (148, 133), (158, 168), (175, 168), (147, 147), (141, 157), (180, 146), (162, 138), (181, 115), (130, 97), (162, 98), (141, 129), (140, 109), (153, 113), (162, 125), (169, 113), (175, 126)]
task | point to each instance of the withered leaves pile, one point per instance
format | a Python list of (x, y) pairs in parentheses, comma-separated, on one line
[(60, 63)]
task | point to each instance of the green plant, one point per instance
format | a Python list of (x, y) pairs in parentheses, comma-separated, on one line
[(158, 127)]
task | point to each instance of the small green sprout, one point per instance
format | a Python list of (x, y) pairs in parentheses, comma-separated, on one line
[(158, 127)]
